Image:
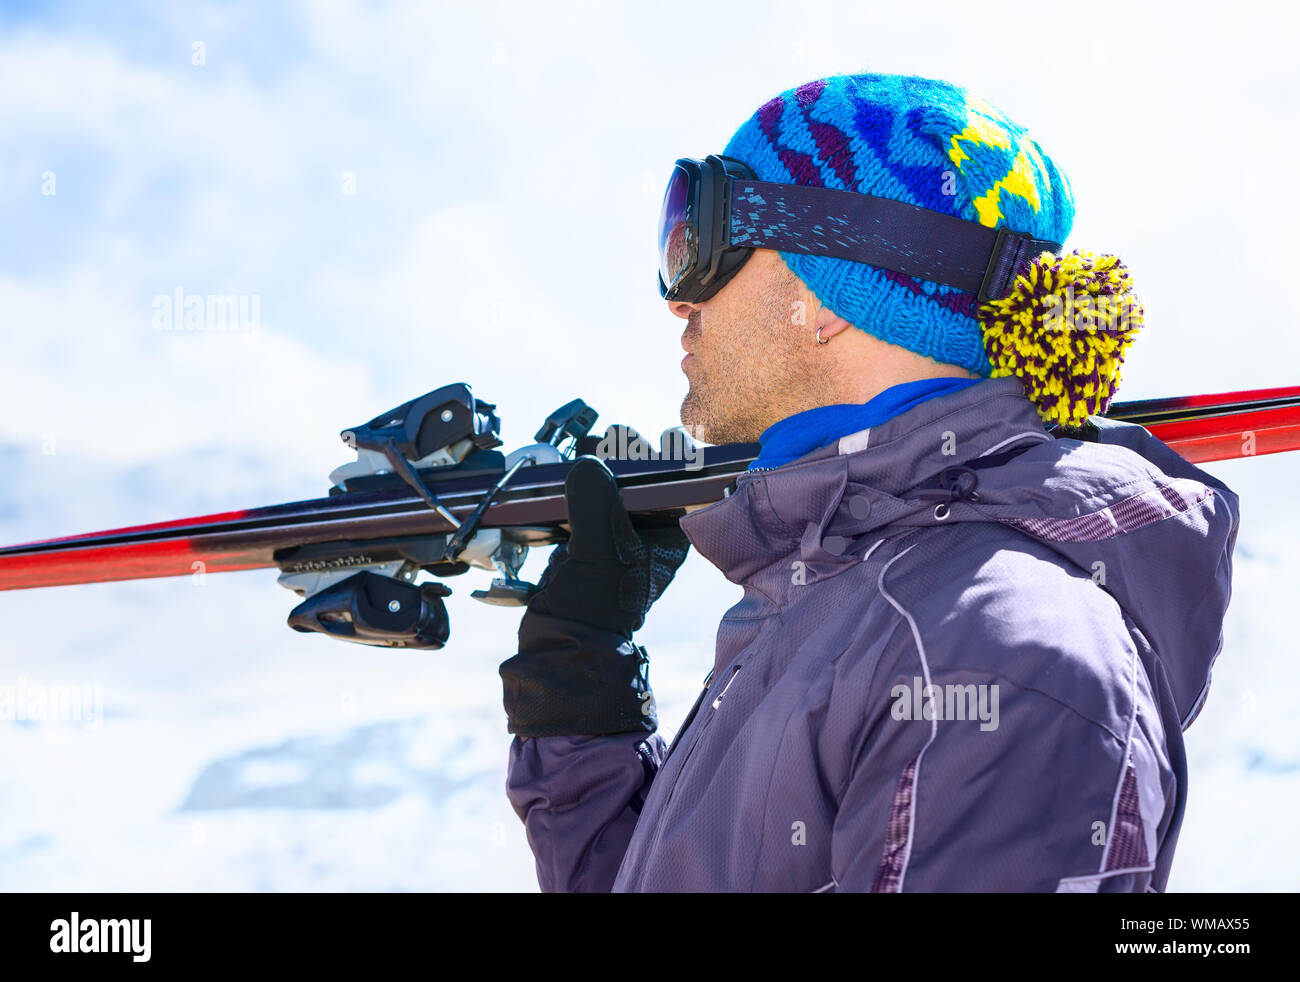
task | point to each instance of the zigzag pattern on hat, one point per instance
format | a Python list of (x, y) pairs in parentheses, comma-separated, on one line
[(912, 139)]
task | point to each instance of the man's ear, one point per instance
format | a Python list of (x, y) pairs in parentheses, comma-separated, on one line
[(829, 323)]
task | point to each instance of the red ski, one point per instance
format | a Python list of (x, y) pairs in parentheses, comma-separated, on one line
[(428, 478)]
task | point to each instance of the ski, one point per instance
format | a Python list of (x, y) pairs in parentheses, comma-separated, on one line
[(430, 492)]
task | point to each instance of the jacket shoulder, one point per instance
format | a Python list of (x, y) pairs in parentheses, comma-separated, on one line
[(986, 603)]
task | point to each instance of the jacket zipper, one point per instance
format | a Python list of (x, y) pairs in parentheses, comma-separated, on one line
[(695, 742), (718, 701), (686, 723)]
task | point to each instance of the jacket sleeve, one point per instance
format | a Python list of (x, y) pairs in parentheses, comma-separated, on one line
[(579, 798), (585, 750), (1036, 798)]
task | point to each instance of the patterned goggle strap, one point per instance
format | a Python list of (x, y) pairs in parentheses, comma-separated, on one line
[(880, 232)]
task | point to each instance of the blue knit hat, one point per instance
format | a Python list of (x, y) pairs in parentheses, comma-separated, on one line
[(925, 142)]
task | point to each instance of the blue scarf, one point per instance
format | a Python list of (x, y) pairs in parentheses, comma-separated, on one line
[(791, 438)]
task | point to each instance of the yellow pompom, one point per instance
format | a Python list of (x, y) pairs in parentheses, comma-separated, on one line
[(1063, 329)]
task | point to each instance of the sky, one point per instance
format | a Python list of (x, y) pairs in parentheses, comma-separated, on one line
[(411, 194)]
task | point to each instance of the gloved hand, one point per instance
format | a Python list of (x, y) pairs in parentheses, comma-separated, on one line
[(607, 574), (577, 670)]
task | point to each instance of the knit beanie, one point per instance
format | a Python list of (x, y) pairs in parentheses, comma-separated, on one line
[(936, 146)]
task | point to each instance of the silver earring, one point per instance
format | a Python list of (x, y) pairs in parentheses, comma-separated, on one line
[(819, 337)]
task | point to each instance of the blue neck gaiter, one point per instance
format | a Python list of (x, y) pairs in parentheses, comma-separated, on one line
[(790, 438)]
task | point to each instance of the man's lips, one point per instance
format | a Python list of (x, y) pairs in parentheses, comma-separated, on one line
[(689, 354)]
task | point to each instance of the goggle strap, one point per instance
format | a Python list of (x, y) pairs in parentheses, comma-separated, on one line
[(880, 232)]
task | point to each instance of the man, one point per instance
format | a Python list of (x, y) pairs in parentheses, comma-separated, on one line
[(967, 646)]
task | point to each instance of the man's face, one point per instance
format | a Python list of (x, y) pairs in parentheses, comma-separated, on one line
[(751, 349)]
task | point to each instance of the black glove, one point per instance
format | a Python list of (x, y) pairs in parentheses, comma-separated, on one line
[(607, 574), (577, 671)]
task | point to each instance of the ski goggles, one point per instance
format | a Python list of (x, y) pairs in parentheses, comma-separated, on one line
[(715, 214)]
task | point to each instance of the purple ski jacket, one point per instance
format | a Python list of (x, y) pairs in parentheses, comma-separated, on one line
[(922, 689)]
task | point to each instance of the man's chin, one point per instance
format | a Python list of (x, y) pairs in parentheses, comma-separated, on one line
[(713, 433), (692, 423)]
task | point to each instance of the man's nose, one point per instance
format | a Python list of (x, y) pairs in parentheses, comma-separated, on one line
[(681, 308)]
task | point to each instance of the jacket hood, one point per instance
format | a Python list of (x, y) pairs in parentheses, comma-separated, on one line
[(1148, 527)]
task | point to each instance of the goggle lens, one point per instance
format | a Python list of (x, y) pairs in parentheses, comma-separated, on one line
[(677, 246)]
